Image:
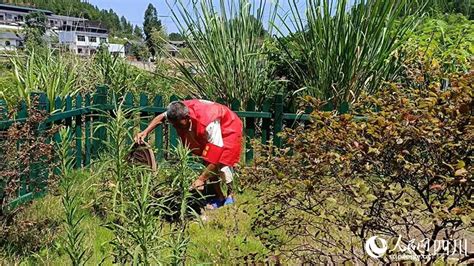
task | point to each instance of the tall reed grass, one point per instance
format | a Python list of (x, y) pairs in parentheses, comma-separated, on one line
[(115, 71), (225, 44), (43, 70), (347, 47)]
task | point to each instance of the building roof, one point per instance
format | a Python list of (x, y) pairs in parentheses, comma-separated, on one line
[(171, 48), (114, 47), (9, 35), (177, 42), (85, 26), (67, 18), (137, 42), (24, 9)]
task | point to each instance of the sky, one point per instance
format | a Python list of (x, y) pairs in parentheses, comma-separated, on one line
[(134, 10)]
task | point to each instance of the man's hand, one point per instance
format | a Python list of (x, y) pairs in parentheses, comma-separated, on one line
[(140, 137), (198, 184)]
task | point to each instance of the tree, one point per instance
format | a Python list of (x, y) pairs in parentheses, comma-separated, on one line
[(35, 29), (174, 36), (140, 51), (150, 25), (138, 32), (78, 8), (157, 41), (125, 26)]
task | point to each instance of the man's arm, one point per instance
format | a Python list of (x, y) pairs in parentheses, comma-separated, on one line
[(211, 154), (140, 137), (211, 169)]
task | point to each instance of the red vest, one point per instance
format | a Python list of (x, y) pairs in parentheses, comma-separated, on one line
[(202, 113)]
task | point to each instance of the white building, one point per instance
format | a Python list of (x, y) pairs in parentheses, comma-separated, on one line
[(9, 41), (78, 34), (84, 38), (15, 15), (56, 21), (117, 49)]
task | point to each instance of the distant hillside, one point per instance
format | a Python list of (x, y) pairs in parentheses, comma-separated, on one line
[(117, 26)]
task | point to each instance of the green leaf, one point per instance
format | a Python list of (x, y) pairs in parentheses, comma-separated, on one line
[(466, 220)]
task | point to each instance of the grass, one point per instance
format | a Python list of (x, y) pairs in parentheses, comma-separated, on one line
[(225, 235)]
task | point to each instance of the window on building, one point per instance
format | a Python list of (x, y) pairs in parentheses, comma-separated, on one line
[(2, 17), (7, 43), (92, 39), (81, 38), (79, 50), (103, 40)]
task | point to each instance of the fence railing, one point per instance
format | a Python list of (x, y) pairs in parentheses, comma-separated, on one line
[(80, 113)]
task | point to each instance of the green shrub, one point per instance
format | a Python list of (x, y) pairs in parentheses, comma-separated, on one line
[(404, 171), (442, 44), (25, 152)]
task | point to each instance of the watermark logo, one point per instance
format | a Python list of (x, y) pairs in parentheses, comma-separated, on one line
[(376, 247), (373, 249)]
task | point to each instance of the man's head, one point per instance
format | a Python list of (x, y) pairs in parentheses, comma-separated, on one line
[(178, 115)]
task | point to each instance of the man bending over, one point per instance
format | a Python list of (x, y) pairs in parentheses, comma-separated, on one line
[(210, 130)]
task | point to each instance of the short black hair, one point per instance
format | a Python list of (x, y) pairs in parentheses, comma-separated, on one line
[(177, 111)]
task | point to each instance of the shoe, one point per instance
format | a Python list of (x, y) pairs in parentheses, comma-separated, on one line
[(229, 201), (215, 204)]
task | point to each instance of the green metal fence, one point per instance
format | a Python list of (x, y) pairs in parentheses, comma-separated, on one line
[(81, 112)]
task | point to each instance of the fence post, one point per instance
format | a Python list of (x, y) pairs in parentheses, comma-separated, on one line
[(3, 116), (3, 109), (344, 108), (249, 132), (266, 122), (143, 114), (58, 105), (444, 84), (99, 98), (130, 125), (87, 129), (78, 132), (38, 173), (172, 130), (41, 174), (158, 102), (22, 113), (278, 120), (68, 107)]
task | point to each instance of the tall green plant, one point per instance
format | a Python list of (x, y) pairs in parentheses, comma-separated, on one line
[(180, 203), (115, 72), (48, 71), (114, 161), (70, 199), (225, 44), (138, 231), (347, 49)]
